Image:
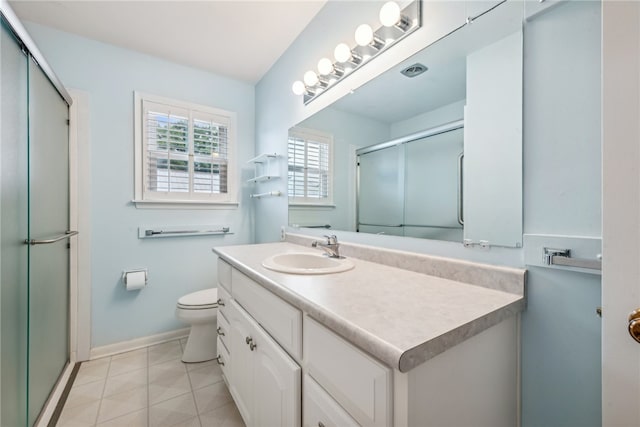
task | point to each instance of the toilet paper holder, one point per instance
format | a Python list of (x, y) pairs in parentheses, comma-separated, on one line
[(126, 273)]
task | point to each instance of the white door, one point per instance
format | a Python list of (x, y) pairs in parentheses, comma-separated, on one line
[(241, 381), (277, 379), (621, 211)]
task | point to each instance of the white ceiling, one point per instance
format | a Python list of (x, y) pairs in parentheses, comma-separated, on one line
[(234, 38)]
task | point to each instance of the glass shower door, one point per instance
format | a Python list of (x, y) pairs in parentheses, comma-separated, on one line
[(13, 230), (48, 251)]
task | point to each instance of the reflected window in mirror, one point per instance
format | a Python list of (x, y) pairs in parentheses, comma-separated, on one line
[(310, 180)]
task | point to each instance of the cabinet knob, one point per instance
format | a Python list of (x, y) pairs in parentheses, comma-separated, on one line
[(220, 302), (219, 330), (320, 424), (219, 360)]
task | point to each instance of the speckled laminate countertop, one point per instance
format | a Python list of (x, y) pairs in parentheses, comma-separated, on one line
[(401, 317)]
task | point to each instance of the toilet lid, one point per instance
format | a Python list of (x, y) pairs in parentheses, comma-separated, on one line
[(207, 298)]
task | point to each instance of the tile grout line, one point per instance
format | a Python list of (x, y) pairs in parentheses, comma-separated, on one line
[(104, 387)]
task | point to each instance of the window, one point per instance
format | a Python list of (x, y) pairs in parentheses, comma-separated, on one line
[(310, 167), (183, 152)]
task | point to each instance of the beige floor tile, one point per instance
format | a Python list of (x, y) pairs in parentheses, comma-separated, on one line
[(205, 375), (169, 368), (128, 362), (167, 387), (83, 394), (93, 370), (212, 397), (164, 352), (79, 416), (172, 411), (193, 422), (224, 416), (134, 419), (125, 382), (122, 403)]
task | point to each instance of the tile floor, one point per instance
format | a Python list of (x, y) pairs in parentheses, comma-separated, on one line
[(150, 387)]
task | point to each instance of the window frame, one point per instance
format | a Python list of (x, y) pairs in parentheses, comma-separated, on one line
[(322, 137), (144, 198)]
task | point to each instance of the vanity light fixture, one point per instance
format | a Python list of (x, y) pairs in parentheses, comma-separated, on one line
[(396, 23)]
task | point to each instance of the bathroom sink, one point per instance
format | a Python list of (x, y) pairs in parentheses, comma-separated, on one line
[(306, 263)]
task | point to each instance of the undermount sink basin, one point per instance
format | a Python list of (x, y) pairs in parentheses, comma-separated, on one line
[(306, 263)]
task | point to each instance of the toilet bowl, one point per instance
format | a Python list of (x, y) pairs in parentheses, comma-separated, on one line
[(200, 310)]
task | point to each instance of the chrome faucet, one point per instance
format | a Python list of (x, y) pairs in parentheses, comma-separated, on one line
[(331, 246)]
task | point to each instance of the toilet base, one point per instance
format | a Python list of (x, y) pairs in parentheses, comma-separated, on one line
[(201, 344)]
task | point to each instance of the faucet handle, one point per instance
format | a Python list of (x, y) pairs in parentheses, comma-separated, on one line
[(332, 240)]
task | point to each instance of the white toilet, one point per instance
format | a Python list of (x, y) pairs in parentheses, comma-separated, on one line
[(200, 310)]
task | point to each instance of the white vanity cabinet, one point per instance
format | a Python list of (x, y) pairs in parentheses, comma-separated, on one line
[(286, 367)]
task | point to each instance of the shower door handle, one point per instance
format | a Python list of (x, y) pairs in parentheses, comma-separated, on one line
[(66, 235)]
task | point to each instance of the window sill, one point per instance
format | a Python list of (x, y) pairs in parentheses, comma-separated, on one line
[(311, 206), (183, 204)]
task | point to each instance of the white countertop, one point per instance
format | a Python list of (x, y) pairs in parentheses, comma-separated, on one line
[(401, 317)]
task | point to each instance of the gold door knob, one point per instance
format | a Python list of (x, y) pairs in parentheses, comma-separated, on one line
[(634, 324)]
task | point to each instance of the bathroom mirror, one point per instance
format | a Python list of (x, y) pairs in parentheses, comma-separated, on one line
[(432, 148)]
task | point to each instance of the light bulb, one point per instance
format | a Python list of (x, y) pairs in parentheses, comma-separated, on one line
[(390, 14), (364, 35), (298, 87), (310, 78), (342, 52), (325, 66)]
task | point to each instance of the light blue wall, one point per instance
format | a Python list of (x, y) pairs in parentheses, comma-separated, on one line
[(560, 332), (561, 361), (176, 265)]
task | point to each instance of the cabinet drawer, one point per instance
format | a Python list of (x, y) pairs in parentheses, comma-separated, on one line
[(224, 274), (280, 319), (224, 360), (224, 298), (354, 379), (319, 409), (223, 329)]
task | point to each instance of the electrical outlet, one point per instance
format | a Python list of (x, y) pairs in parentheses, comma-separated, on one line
[(283, 233)]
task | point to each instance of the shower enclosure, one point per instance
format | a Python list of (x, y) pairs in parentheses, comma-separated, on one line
[(34, 228)]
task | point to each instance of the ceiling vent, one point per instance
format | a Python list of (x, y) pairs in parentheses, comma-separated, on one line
[(414, 70)]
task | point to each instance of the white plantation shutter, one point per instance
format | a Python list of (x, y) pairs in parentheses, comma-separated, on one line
[(310, 164), (185, 152)]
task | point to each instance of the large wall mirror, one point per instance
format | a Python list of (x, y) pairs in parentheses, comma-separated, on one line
[(432, 148)]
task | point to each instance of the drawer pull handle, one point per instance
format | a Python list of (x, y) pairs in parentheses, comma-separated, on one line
[(220, 362), (252, 346), (248, 340), (220, 302), (320, 424), (219, 330)]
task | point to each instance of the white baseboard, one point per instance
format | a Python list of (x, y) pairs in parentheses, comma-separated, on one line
[(134, 344)]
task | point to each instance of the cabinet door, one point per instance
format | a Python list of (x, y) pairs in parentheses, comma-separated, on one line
[(276, 384), (276, 378), (241, 378)]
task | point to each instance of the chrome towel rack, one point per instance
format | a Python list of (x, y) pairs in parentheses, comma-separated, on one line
[(173, 231), (267, 194), (67, 234), (563, 257)]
